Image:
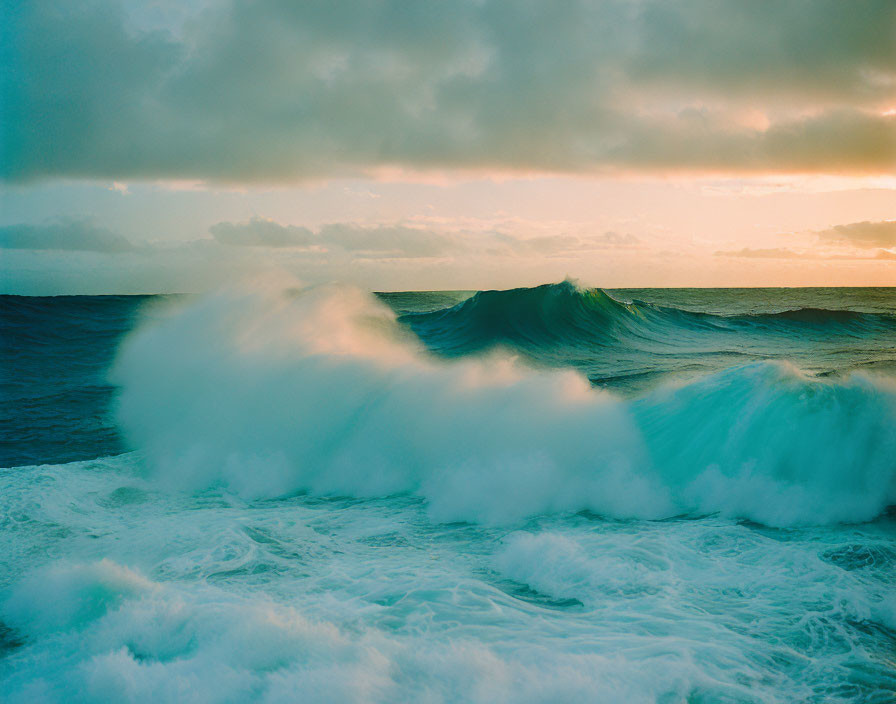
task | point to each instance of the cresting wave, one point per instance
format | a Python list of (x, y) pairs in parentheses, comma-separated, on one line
[(564, 315), (271, 392)]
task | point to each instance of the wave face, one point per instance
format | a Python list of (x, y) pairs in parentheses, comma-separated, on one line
[(629, 345), (272, 393)]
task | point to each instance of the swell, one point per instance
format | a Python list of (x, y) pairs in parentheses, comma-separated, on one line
[(323, 392), (564, 316)]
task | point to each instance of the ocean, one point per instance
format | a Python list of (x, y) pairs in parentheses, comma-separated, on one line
[(552, 494)]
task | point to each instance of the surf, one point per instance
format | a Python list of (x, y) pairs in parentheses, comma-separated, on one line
[(272, 392)]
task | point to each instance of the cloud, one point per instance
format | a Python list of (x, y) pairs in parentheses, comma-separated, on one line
[(261, 232), (863, 234), (395, 240), (276, 90), (346, 240), (378, 258), (362, 240), (772, 253), (559, 245), (783, 253), (401, 241), (71, 235)]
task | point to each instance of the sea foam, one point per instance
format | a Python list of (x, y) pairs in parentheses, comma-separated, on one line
[(270, 391), (169, 643)]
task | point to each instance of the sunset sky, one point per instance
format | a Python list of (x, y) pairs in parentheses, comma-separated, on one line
[(170, 146)]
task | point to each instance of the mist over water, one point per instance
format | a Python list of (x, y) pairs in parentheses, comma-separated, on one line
[(548, 494)]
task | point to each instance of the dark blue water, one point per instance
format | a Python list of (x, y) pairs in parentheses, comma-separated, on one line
[(54, 394)]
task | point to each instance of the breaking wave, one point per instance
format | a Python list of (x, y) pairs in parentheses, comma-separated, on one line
[(270, 392)]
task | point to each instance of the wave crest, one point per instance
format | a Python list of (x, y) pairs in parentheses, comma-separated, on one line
[(566, 316)]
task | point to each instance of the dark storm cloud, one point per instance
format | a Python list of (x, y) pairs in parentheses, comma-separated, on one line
[(71, 235), (277, 90)]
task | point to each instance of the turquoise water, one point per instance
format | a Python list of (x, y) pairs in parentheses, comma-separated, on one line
[(545, 495)]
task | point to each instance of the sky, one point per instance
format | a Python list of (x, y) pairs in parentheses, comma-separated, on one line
[(163, 145)]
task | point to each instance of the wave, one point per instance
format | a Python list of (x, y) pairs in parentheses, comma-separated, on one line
[(271, 393), (563, 316)]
